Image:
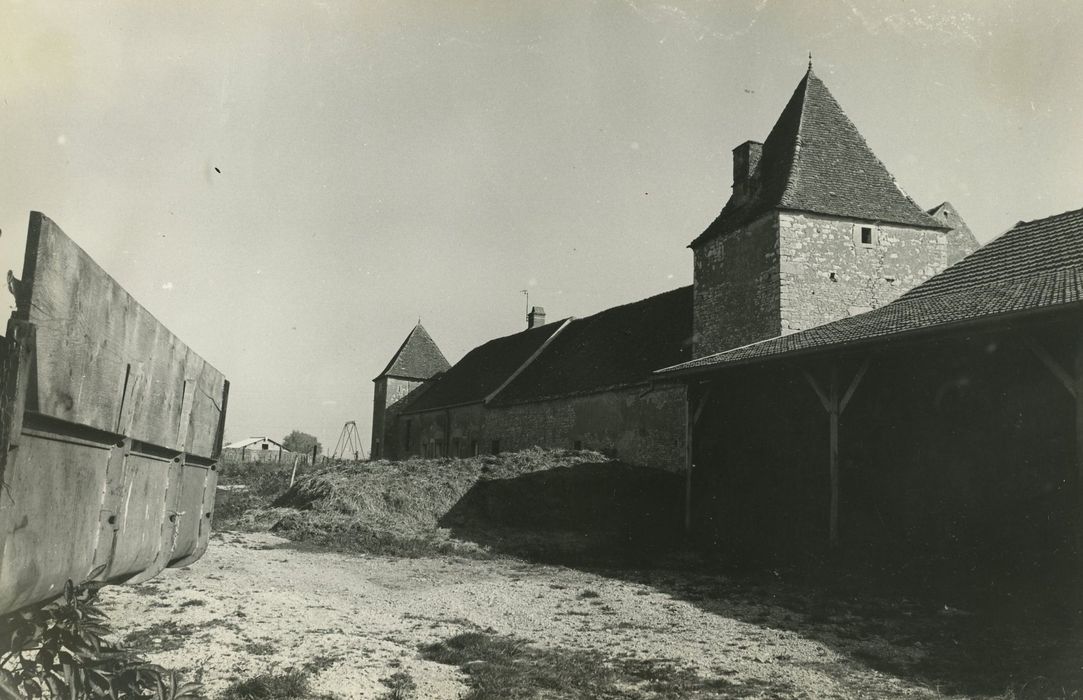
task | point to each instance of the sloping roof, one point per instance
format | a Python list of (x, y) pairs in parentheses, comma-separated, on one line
[(417, 358), (482, 370), (1036, 266), (815, 160), (961, 240), (617, 347), (251, 441)]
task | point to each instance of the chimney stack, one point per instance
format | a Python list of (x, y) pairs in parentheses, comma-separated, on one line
[(536, 317), (745, 159)]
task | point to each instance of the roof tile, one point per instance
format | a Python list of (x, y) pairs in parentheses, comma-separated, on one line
[(815, 160)]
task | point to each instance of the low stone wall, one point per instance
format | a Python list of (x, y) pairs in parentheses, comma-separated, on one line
[(638, 425)]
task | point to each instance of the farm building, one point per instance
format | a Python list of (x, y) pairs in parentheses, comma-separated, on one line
[(946, 424), (417, 360), (815, 230), (255, 449)]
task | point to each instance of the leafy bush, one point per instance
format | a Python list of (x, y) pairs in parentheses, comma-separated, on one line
[(59, 650)]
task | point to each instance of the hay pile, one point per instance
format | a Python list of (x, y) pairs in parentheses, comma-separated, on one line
[(398, 508)]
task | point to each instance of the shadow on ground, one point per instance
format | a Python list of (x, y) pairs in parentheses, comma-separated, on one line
[(1017, 639)]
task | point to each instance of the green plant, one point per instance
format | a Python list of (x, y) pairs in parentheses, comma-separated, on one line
[(58, 649)]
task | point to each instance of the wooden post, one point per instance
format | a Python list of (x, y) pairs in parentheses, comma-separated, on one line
[(293, 474), (1078, 391), (833, 412), (688, 461), (834, 406), (691, 419), (1078, 486), (314, 455)]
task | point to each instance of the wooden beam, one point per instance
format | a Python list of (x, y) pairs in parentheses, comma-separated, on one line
[(1052, 365), (702, 405), (819, 392), (853, 385)]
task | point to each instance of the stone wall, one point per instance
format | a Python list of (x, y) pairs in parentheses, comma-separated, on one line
[(826, 272), (387, 392), (636, 425), (736, 288)]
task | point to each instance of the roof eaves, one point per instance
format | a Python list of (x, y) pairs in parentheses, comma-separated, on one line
[(809, 210), (904, 335)]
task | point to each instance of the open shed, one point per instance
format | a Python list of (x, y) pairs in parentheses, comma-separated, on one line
[(946, 425)]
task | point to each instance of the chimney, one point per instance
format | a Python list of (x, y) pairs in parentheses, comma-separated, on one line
[(745, 159), (536, 317)]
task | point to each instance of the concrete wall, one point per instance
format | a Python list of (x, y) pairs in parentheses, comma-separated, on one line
[(637, 426), (736, 288), (827, 273)]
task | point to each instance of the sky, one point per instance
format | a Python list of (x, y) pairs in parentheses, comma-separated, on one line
[(291, 186)]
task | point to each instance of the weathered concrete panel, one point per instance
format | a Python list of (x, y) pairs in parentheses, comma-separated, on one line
[(109, 431)]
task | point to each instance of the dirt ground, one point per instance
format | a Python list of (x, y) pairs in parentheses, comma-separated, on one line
[(256, 603)]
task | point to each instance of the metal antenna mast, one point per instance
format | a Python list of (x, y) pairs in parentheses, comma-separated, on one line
[(526, 312), (349, 442)]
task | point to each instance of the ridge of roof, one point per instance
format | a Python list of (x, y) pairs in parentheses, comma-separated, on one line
[(613, 348), (815, 160), (418, 357), (483, 369)]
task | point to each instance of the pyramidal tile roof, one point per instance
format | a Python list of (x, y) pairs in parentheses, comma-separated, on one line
[(417, 358), (815, 160), (1035, 267)]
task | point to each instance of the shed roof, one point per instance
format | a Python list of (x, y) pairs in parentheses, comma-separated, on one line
[(250, 441), (1034, 267), (417, 358), (815, 160), (617, 347)]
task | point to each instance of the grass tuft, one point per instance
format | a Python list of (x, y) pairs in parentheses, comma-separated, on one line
[(499, 667), (400, 686), (289, 685)]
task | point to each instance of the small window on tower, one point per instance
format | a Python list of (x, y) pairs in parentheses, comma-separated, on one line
[(865, 235)]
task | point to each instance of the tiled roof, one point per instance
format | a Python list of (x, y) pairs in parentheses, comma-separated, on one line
[(417, 358), (482, 370), (961, 241), (617, 347), (1035, 266), (815, 160)]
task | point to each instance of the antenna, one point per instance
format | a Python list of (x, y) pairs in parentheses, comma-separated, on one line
[(526, 311), (349, 442)]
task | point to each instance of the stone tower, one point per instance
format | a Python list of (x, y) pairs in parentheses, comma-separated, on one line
[(417, 360), (816, 229)]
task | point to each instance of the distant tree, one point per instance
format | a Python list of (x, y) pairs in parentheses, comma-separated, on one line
[(301, 442)]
